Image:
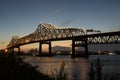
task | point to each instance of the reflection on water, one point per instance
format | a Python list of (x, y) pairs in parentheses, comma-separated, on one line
[(84, 69), (76, 68), (79, 69)]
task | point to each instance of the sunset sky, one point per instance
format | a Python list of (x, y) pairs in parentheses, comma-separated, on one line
[(21, 17)]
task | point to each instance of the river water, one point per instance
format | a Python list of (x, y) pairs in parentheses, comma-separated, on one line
[(77, 68)]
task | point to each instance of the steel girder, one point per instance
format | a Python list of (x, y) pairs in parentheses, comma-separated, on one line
[(100, 38), (110, 39), (13, 41), (46, 32)]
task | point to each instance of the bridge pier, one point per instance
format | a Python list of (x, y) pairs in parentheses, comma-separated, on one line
[(86, 48), (73, 47), (50, 50), (80, 42), (12, 50), (18, 49), (40, 48)]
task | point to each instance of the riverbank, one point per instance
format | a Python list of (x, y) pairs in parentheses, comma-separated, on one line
[(77, 68), (16, 68)]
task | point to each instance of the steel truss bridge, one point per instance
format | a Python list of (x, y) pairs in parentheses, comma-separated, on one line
[(45, 33)]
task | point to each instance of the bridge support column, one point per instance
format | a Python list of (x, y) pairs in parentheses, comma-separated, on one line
[(86, 48), (80, 42), (73, 47), (11, 50), (50, 51), (19, 50), (40, 48)]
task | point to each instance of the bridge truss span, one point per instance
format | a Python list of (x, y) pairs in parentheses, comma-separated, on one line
[(105, 38), (100, 38), (46, 32)]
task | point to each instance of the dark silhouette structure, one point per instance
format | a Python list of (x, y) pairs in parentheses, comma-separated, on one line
[(45, 33)]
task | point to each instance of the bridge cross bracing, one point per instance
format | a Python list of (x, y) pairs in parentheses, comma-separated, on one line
[(100, 38), (45, 32)]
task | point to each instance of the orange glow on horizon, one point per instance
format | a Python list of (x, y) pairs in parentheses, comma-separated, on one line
[(26, 48), (62, 43)]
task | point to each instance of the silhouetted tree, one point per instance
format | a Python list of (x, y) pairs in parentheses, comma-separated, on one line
[(14, 68)]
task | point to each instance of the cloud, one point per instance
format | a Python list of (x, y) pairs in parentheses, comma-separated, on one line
[(68, 21)]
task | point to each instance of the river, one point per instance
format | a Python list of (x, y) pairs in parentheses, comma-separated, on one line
[(77, 68)]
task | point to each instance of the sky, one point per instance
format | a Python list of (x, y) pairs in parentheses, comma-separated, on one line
[(21, 17)]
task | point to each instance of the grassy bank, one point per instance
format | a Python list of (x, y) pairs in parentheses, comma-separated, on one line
[(13, 67)]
